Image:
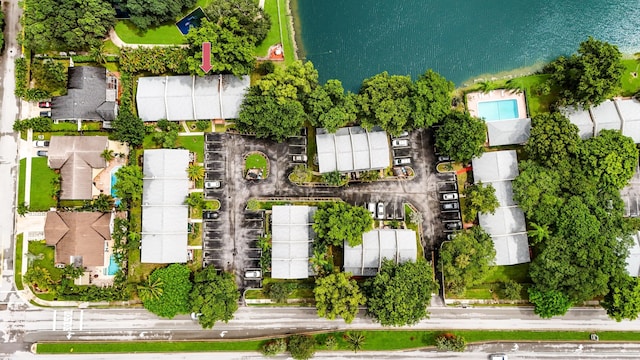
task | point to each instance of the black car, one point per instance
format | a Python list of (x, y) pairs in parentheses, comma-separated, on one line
[(210, 215), (45, 113), (42, 153), (449, 206), (453, 225)]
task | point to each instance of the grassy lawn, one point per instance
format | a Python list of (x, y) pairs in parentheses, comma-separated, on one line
[(194, 144), (41, 176), (374, 341), (18, 262), (630, 84), (166, 34), (110, 48), (256, 161), (215, 205), (493, 283), (21, 180), (47, 261), (273, 36)]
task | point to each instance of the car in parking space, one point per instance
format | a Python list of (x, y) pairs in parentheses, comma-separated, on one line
[(41, 143), (253, 274), (42, 153), (449, 206), (210, 215), (215, 184), (372, 209), (399, 143), (381, 210), (443, 158), (402, 161), (449, 196), (44, 104), (45, 113), (299, 158), (454, 225)]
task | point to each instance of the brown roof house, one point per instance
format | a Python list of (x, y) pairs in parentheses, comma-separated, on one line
[(76, 157), (79, 237)]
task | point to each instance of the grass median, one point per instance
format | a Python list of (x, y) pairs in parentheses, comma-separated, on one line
[(377, 340)]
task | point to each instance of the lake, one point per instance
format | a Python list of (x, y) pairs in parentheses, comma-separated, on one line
[(463, 40)]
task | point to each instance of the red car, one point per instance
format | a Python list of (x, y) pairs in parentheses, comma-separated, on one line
[(44, 104)]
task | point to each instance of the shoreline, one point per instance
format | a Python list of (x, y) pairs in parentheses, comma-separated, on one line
[(296, 30)]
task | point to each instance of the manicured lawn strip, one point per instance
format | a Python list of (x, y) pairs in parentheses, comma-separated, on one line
[(47, 261), (273, 36), (630, 84), (166, 34), (287, 35), (21, 180), (518, 273), (194, 144), (256, 161), (18, 262), (374, 341), (41, 176)]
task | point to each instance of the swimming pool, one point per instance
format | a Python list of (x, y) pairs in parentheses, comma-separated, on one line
[(498, 110), (113, 266), (113, 182)]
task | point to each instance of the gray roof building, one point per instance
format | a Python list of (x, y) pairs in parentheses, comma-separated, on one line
[(629, 111), (605, 116), (178, 98), (291, 236), (91, 95), (76, 157), (352, 149), (398, 245), (164, 213), (619, 114), (582, 119), (508, 132), (506, 226), (633, 260)]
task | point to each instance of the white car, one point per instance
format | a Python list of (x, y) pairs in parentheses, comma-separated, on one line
[(397, 143), (212, 184), (381, 210), (498, 357), (450, 196), (402, 161), (253, 274), (41, 143)]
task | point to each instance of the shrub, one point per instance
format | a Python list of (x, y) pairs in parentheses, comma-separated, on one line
[(450, 342), (274, 347), (157, 60), (21, 70), (38, 124), (265, 68), (331, 343), (512, 290), (279, 291), (202, 125), (302, 347)]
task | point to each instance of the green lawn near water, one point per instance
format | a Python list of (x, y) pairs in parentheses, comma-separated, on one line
[(630, 77)]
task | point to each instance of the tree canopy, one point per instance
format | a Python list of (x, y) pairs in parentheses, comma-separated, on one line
[(129, 184), (338, 295), (274, 106), (431, 99), (399, 294), (479, 198), (610, 158), (623, 299), (252, 19), (150, 13), (66, 24), (553, 139), (461, 136), (590, 76), (214, 296), (173, 299), (386, 101), (129, 128), (549, 303), (329, 107), (336, 222), (467, 259)]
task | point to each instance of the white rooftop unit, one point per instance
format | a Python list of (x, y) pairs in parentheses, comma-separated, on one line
[(629, 110), (582, 119), (291, 235), (352, 149), (508, 132), (633, 260), (605, 117), (398, 245)]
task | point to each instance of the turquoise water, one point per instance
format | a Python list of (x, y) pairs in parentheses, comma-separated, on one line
[(113, 182), (113, 266), (498, 110), (462, 39)]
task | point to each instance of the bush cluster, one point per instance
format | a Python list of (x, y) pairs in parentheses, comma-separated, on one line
[(156, 60)]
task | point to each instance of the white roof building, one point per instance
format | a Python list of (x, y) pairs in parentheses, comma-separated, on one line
[(398, 245), (605, 117), (291, 235), (633, 260), (352, 149), (582, 119), (164, 213), (508, 132), (629, 111), (507, 226), (178, 98), (619, 114)]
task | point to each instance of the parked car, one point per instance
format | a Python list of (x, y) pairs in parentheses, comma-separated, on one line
[(42, 153), (372, 209), (442, 158), (215, 184), (401, 135), (45, 113), (449, 196), (400, 143), (44, 104), (253, 274), (456, 225), (210, 215), (299, 158), (449, 206), (402, 161), (498, 357), (41, 143), (381, 210)]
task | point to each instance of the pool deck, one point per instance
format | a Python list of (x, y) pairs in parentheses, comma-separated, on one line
[(102, 177), (496, 95)]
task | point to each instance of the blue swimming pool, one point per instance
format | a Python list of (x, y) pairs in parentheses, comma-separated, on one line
[(498, 110), (113, 266), (113, 182)]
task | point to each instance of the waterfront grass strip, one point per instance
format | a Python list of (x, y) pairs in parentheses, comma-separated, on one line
[(376, 340)]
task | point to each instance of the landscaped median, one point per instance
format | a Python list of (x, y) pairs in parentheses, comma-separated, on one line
[(379, 340)]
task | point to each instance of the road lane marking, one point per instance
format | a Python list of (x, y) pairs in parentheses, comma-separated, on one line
[(54, 319)]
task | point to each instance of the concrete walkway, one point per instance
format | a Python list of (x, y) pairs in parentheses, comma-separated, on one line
[(27, 171)]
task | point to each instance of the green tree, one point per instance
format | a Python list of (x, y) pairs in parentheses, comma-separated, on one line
[(195, 200), (610, 158), (466, 260), (151, 13), (461, 136), (253, 20), (431, 99), (623, 299), (538, 192), (97, 53), (335, 178), (66, 24), (174, 297), (22, 209), (450, 342), (330, 108), (479, 198), (274, 347), (336, 222), (355, 340), (129, 184), (103, 203), (107, 155), (386, 101), (128, 128), (338, 295), (590, 76), (273, 107), (512, 290), (538, 233), (39, 277), (231, 49), (399, 294), (553, 139), (279, 291), (215, 296), (302, 347), (195, 172), (166, 139), (549, 303)]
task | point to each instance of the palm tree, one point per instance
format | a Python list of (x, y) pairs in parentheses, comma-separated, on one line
[(150, 290), (31, 257), (97, 53), (486, 86), (195, 172), (195, 200), (539, 233), (103, 203), (107, 155), (355, 341), (320, 262)]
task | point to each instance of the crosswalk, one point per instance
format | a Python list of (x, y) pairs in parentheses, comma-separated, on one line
[(64, 320)]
